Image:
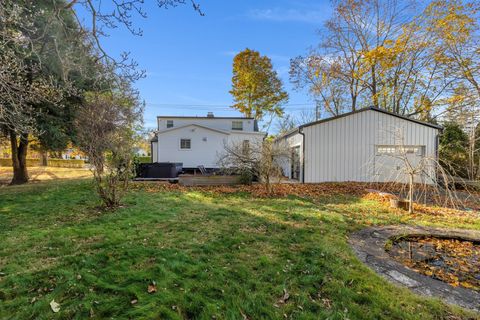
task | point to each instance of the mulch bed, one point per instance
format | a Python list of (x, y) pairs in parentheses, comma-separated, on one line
[(258, 190), (314, 191)]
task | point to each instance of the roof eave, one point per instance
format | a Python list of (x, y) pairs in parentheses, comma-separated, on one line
[(438, 127)]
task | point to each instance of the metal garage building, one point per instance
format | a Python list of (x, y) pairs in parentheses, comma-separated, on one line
[(359, 146)]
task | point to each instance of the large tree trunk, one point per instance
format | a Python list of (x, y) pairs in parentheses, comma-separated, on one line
[(19, 158)]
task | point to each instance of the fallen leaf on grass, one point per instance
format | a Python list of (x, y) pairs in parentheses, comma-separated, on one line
[(55, 306), (327, 303), (284, 298), (152, 287), (244, 316)]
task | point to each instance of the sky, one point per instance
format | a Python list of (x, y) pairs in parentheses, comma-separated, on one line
[(188, 58)]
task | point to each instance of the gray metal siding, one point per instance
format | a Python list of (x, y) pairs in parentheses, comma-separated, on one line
[(344, 149)]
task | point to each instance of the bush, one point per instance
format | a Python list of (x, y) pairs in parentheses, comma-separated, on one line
[(246, 177)]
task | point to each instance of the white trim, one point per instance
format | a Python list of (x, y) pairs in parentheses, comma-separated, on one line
[(180, 144), (248, 132), (194, 125)]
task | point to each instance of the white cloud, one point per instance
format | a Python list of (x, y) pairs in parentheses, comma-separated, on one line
[(289, 15)]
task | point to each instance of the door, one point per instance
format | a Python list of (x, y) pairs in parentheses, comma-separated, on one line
[(295, 163)]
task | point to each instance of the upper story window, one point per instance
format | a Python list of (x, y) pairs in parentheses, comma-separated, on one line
[(169, 123), (185, 144), (237, 125)]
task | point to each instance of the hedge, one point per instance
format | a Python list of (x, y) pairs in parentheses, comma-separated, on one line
[(30, 162), (74, 163)]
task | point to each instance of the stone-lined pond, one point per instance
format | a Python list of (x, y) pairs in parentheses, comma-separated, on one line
[(454, 261)]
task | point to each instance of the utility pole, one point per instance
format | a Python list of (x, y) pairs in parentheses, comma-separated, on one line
[(317, 110)]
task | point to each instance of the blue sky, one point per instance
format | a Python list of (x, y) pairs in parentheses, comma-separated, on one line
[(188, 58)]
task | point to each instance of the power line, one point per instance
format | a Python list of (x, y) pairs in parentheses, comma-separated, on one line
[(215, 105), (222, 108)]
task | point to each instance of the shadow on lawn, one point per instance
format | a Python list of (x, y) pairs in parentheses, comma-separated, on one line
[(210, 255)]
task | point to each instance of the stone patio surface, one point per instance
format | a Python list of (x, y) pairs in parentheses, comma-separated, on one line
[(369, 246)]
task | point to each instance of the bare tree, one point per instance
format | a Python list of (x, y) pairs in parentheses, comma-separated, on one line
[(421, 174), (373, 52), (262, 159), (291, 121), (324, 79), (106, 133), (105, 15), (286, 123)]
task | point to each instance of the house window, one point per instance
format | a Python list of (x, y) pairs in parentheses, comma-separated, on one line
[(237, 125), (400, 150), (185, 144), (169, 123)]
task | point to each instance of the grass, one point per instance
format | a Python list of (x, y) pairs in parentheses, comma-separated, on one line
[(211, 256)]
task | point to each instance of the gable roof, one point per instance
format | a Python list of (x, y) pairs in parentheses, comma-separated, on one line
[(197, 117), (193, 125), (435, 126), (297, 130)]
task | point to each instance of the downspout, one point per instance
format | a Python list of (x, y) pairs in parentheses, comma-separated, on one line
[(303, 152)]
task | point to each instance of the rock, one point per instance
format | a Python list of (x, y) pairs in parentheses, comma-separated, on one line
[(403, 279)]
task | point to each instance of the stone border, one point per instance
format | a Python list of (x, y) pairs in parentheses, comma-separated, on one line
[(369, 246)]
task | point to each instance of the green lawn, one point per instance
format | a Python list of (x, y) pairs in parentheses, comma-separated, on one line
[(212, 256)]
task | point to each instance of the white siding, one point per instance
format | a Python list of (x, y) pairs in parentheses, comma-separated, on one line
[(343, 149), (215, 123), (206, 145)]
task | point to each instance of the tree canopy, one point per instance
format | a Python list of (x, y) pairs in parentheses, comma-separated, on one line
[(256, 87)]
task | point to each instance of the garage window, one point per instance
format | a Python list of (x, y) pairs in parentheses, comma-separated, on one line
[(385, 150), (398, 150), (185, 144)]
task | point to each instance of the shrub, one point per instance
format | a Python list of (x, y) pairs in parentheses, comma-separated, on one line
[(246, 177)]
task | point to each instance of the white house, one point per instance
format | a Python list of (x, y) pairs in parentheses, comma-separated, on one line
[(198, 141), (360, 146)]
